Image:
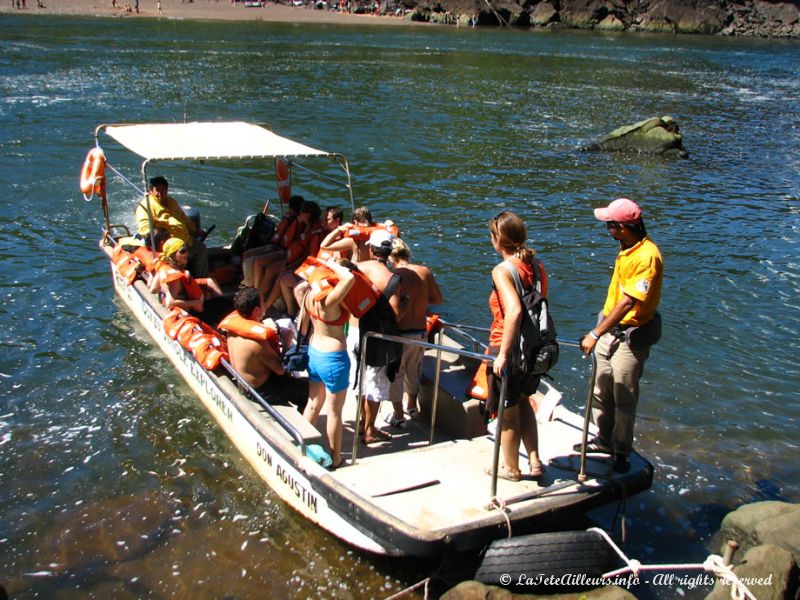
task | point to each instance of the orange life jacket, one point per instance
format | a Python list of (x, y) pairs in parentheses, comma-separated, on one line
[(479, 387), (126, 263), (321, 279), (208, 349), (147, 257), (361, 233), (433, 324), (197, 337), (362, 295), (174, 320), (285, 231), (306, 243), (167, 274), (236, 324)]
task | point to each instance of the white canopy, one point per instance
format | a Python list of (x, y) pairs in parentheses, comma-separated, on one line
[(206, 141)]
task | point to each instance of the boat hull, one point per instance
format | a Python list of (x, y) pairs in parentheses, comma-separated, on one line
[(327, 498)]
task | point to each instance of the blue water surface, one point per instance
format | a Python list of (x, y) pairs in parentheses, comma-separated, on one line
[(443, 128)]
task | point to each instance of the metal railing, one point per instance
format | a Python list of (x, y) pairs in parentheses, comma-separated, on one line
[(439, 347), (290, 429)]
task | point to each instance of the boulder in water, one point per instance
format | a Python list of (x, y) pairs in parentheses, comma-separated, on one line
[(658, 135)]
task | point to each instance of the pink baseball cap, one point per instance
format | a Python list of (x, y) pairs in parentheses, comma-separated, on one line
[(621, 210)]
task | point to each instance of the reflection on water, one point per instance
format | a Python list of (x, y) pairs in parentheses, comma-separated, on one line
[(113, 479)]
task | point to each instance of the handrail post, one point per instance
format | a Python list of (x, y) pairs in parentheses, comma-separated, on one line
[(586, 418), (498, 432), (363, 340), (436, 379)]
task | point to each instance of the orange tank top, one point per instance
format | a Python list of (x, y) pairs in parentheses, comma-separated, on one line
[(526, 276)]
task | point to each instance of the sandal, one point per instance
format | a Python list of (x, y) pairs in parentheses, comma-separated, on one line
[(504, 473), (342, 463), (537, 471)]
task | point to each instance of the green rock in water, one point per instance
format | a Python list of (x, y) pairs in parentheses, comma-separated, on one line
[(658, 135)]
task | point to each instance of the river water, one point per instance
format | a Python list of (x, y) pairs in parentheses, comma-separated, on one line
[(115, 482)]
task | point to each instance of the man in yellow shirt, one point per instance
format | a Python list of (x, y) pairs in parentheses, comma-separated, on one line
[(167, 214), (629, 326)]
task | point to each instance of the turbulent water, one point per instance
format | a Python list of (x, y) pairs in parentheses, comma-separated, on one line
[(115, 482)]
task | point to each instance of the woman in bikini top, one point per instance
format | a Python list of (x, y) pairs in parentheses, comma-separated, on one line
[(328, 362)]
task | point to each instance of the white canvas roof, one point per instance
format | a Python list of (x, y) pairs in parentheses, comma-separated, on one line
[(204, 141)]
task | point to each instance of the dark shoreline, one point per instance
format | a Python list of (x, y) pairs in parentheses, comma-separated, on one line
[(775, 19), (746, 18)]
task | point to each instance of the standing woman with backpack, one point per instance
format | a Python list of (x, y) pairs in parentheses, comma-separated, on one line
[(508, 235)]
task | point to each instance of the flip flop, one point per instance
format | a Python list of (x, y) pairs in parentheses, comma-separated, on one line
[(380, 436), (504, 473)]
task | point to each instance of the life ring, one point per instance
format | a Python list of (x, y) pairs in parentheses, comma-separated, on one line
[(93, 173), (284, 176)]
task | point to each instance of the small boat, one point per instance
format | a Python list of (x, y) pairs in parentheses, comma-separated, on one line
[(424, 493)]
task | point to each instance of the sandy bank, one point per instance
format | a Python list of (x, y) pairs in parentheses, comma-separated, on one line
[(198, 9)]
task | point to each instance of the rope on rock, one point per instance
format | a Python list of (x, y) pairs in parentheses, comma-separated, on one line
[(713, 564)]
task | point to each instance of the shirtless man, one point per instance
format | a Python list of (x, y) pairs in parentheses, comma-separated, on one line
[(421, 290), (252, 354), (352, 239), (376, 379)]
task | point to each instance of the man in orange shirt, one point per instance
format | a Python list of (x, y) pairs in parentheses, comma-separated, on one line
[(628, 327)]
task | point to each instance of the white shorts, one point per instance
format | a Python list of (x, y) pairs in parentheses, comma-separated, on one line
[(377, 387)]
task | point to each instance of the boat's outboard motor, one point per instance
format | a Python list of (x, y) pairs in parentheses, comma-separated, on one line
[(193, 214)]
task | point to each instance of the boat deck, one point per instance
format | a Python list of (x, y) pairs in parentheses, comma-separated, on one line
[(444, 485)]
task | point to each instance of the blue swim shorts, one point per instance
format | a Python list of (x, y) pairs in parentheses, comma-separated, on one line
[(331, 368)]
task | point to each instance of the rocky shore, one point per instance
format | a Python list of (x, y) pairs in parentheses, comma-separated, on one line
[(755, 18)]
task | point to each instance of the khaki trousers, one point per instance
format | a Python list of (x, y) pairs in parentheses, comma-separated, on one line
[(616, 391)]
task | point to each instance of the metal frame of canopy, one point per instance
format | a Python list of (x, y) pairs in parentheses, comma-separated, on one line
[(215, 141)]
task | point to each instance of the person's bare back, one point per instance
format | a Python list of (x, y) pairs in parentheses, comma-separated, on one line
[(413, 300), (254, 361)]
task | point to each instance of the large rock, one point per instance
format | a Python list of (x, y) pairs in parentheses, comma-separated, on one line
[(769, 572), (583, 14), (782, 530), (651, 136), (742, 524), (684, 16), (544, 13), (474, 590)]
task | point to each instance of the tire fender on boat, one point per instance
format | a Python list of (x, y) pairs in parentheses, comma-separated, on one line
[(521, 562), (93, 173)]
